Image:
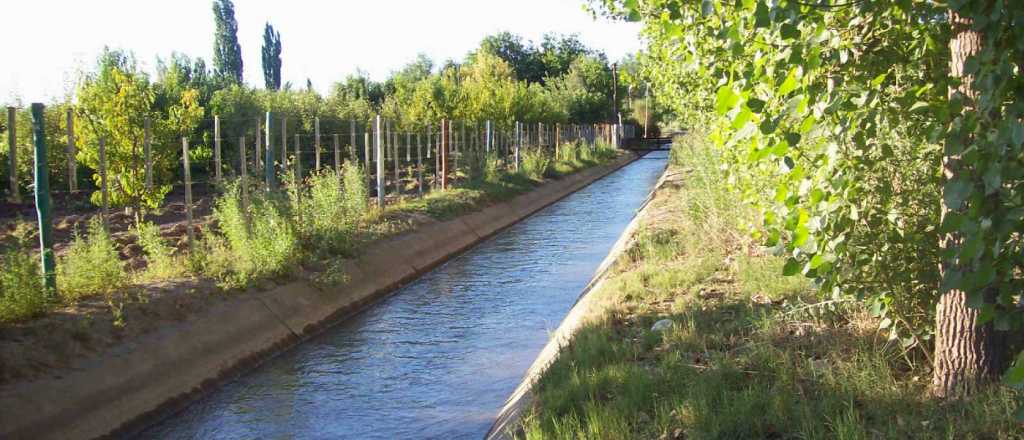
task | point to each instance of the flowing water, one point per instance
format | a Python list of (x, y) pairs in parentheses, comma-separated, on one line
[(439, 357)]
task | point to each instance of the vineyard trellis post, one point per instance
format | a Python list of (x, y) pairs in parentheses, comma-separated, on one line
[(12, 153), (71, 153), (268, 162), (316, 141), (216, 148), (147, 152), (378, 148), (188, 192), (104, 195), (42, 199), (243, 180), (444, 153)]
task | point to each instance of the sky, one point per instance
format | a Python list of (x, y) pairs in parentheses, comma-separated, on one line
[(46, 42)]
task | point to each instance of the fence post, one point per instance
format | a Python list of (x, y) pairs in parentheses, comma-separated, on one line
[(445, 144), (72, 161), (104, 196), (337, 153), (188, 191), (352, 140), (316, 140), (216, 148), (42, 194), (147, 151), (419, 163), (366, 157), (284, 144), (268, 162), (258, 154), (298, 160), (12, 152), (488, 136), (378, 148), (518, 143), (397, 159), (243, 180)]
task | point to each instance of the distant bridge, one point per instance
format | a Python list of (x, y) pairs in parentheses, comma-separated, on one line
[(649, 144)]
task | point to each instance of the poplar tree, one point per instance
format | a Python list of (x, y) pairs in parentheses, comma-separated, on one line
[(227, 54), (271, 58)]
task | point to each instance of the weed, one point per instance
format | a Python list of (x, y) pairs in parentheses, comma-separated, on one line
[(161, 263), (535, 163), (91, 265), (22, 294)]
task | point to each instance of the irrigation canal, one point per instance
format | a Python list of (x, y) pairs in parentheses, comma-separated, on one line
[(439, 357)]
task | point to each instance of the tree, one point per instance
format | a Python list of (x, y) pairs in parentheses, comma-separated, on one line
[(271, 58), (227, 54), (523, 57), (113, 104)]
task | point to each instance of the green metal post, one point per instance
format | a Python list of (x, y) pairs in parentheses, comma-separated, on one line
[(42, 192)]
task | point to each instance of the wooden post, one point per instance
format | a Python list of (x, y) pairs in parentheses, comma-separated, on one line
[(352, 140), (419, 164), (42, 194), (268, 161), (147, 151), (216, 148), (188, 192), (378, 148), (12, 152), (445, 144), (284, 144), (367, 156), (398, 160), (408, 146), (104, 195), (488, 136), (316, 141), (298, 160), (337, 153), (518, 144), (71, 153), (243, 181), (258, 154)]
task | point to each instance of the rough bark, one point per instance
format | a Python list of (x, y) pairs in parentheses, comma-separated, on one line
[(966, 354)]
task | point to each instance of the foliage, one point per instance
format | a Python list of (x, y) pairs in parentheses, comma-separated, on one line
[(91, 265), (271, 58), (227, 53), (535, 163), (256, 241), (113, 104), (22, 294), (327, 214), (849, 110), (161, 261)]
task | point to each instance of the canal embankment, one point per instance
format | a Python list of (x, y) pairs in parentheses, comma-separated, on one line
[(162, 371)]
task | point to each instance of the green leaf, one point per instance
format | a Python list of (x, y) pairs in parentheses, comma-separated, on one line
[(789, 84), (761, 15), (755, 104), (790, 32), (954, 192), (725, 99), (993, 179), (707, 8), (791, 268)]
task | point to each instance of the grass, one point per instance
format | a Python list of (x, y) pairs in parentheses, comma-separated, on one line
[(750, 354), (161, 261), (91, 265), (22, 295)]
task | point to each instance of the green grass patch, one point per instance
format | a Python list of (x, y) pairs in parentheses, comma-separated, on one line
[(91, 265), (750, 354)]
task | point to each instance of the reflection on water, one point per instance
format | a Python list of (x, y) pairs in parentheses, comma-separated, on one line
[(438, 358)]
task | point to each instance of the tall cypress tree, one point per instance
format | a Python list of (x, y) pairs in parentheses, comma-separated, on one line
[(227, 54), (271, 58)]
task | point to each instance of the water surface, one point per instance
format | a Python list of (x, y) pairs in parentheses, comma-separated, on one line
[(439, 357)]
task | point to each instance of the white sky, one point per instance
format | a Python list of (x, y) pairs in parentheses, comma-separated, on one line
[(46, 41)]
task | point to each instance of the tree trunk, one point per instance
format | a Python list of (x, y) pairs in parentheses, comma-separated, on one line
[(966, 354)]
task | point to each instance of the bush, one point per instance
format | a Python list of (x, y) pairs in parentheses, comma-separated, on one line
[(535, 164), (327, 224), (255, 243), (355, 195), (161, 262), (91, 265), (22, 294)]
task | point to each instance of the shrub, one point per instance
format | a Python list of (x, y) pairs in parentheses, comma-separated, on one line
[(257, 242), (535, 164), (355, 194), (91, 265), (161, 262), (22, 294), (326, 224)]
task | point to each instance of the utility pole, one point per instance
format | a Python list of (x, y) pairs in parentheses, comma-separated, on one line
[(615, 93)]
